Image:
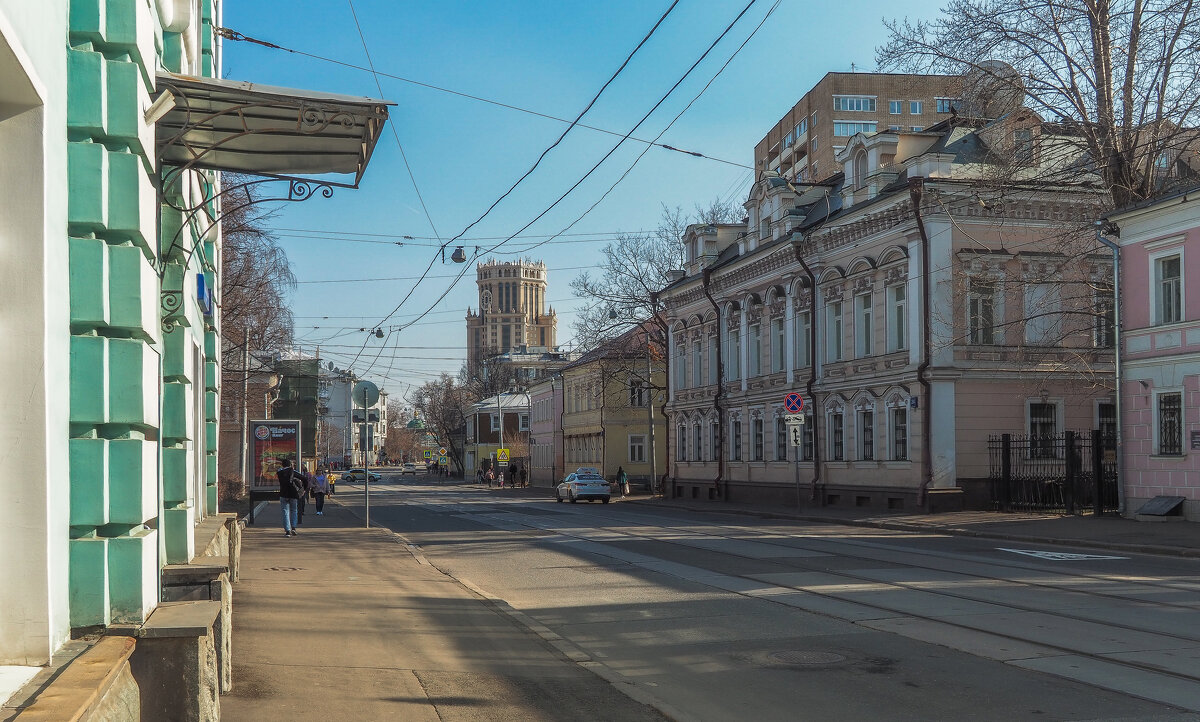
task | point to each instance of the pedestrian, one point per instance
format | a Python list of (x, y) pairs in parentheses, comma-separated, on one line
[(320, 487), (524, 477), (290, 488), (622, 481), (305, 481)]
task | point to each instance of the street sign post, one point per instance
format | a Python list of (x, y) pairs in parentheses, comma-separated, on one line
[(443, 460), (501, 457), (366, 394), (793, 403)]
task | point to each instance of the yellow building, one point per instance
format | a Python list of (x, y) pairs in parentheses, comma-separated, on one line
[(610, 396)]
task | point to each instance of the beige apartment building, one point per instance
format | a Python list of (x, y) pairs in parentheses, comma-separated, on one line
[(802, 145)]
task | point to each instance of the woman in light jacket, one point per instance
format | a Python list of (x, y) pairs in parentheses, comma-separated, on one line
[(319, 488)]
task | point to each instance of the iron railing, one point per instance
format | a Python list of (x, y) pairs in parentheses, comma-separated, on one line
[(1068, 472)]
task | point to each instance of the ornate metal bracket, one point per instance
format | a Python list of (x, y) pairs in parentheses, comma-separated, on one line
[(170, 302)]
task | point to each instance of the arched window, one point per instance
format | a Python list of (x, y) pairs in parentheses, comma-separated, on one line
[(860, 168)]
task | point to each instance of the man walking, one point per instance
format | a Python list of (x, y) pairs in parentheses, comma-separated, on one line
[(289, 496), (622, 481)]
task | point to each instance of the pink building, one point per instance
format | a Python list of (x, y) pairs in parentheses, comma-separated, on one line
[(545, 432), (1160, 368)]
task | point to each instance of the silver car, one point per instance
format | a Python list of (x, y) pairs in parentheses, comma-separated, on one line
[(588, 487)]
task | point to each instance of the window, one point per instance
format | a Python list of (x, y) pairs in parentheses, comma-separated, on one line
[(808, 438), (637, 392), (714, 440), (637, 448), (856, 103), (897, 317), (864, 333), (895, 107), (523, 424), (764, 229), (814, 148), (778, 339), (895, 127), (1105, 321), (866, 435), (756, 429), (981, 312), (733, 355), (681, 444), (945, 105), (789, 139), (495, 422), (680, 363), (1023, 146), (836, 440), (801, 128), (697, 443), (697, 363), (899, 434), (712, 359), (781, 439), (1106, 420), (1168, 291), (860, 169), (848, 128), (735, 440), (1170, 424), (916, 128), (914, 107), (754, 340), (1042, 308), (833, 331), (1043, 426), (803, 323)]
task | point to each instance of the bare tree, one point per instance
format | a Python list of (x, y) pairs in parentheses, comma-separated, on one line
[(443, 404), (1118, 77)]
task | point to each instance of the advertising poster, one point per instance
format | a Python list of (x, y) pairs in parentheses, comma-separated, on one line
[(272, 442)]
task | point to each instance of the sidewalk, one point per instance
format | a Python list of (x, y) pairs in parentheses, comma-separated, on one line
[(344, 623), (1175, 538)]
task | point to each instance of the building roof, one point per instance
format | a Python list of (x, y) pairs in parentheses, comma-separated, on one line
[(508, 400)]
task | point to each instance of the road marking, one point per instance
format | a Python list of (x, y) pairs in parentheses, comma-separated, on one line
[(1056, 556)]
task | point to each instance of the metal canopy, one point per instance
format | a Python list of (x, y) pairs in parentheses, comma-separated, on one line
[(243, 127)]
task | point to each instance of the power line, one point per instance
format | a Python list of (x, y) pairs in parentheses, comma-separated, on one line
[(413, 278), (234, 35)]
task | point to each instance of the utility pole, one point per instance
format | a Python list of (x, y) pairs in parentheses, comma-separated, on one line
[(650, 415), (243, 450)]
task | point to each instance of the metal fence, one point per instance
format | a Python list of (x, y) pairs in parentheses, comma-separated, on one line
[(1069, 472)]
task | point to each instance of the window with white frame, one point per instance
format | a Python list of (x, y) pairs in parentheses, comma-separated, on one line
[(837, 441), (801, 127), (680, 364), (1170, 423), (1104, 322), (833, 331), (1043, 430), (714, 440), (754, 341), (697, 363), (916, 128), (1168, 289), (897, 317), (895, 107), (866, 435), (899, 433), (735, 440), (803, 321), (756, 430), (981, 311), (681, 443), (781, 439), (1043, 314), (712, 359), (495, 422), (945, 105), (638, 392), (847, 128), (864, 331), (733, 354), (854, 103), (789, 139), (915, 107), (637, 448), (1023, 146), (697, 442), (809, 439), (778, 341), (523, 424)]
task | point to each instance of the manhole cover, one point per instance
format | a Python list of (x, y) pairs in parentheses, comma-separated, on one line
[(807, 659)]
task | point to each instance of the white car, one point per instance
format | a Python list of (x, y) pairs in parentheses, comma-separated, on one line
[(409, 468), (358, 475), (588, 487)]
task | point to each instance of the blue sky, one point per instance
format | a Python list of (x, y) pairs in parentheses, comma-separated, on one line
[(550, 57)]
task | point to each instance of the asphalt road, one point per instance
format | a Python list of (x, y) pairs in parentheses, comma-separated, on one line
[(727, 618)]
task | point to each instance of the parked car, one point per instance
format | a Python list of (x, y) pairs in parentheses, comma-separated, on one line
[(358, 475), (588, 471), (409, 468), (588, 487)]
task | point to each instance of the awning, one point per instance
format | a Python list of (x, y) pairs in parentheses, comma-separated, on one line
[(243, 127)]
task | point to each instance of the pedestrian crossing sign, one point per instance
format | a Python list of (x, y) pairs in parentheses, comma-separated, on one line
[(443, 461), (429, 453), (502, 455)]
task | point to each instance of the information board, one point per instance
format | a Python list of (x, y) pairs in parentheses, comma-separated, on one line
[(272, 441)]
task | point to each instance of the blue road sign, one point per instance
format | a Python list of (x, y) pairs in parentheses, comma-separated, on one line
[(793, 403)]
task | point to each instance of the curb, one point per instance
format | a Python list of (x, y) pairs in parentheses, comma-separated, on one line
[(1156, 549)]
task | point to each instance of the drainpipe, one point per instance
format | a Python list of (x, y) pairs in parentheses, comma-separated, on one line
[(1103, 227), (916, 186), (815, 486), (562, 436), (720, 450)]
